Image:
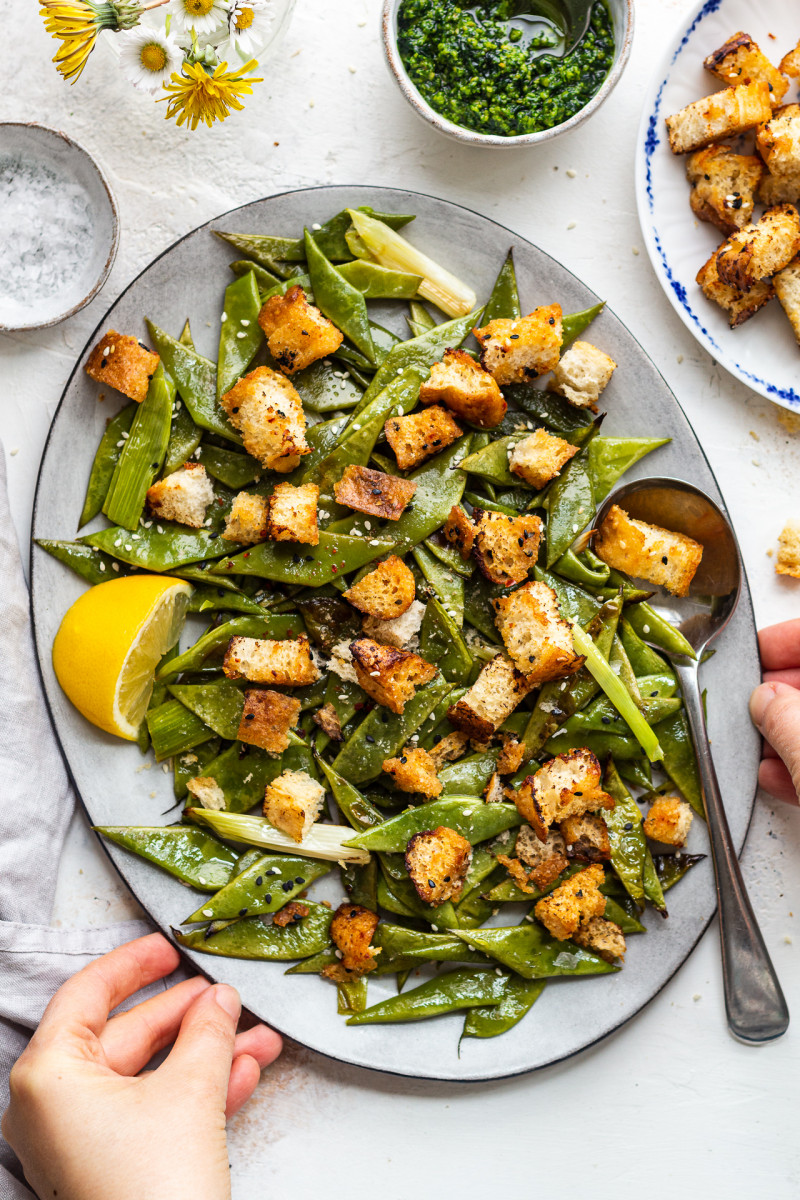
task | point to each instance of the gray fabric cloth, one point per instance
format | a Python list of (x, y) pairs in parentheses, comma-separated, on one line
[(36, 805)]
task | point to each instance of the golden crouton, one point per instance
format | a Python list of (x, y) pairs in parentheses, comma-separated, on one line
[(537, 638), (649, 552), (759, 250), (780, 189), (386, 592), (567, 786), (414, 771), (492, 698), (267, 718), (297, 333), (421, 435), (788, 560), (726, 114), (182, 496), (389, 675), (374, 492), (207, 792), (740, 306), (268, 413), (449, 748), (293, 513), (586, 837), (494, 792), (399, 631), (248, 519), (790, 63), (352, 929), (328, 720), (123, 363), (466, 388), (459, 531), (778, 141), (739, 60), (515, 351), (573, 902), (437, 863), (602, 937), (293, 802), (668, 820), (582, 373), (787, 289), (506, 547), (724, 186), (286, 663), (511, 755), (539, 457), (290, 914), (542, 862)]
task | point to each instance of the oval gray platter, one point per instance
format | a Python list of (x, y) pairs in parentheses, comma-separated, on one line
[(188, 281)]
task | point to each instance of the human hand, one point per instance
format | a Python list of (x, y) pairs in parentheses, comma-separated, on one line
[(87, 1126), (775, 710)]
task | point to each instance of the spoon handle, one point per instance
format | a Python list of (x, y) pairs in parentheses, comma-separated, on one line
[(754, 1002)]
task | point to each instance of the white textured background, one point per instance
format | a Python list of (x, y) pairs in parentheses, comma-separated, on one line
[(671, 1102)]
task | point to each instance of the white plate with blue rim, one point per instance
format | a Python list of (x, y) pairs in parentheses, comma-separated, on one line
[(762, 353)]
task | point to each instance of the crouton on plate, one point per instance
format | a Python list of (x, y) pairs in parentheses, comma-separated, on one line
[(740, 306), (413, 770), (537, 864), (374, 492), (419, 436), (402, 631), (778, 141), (293, 513), (723, 115), (352, 929), (268, 413), (297, 333), (668, 559), (437, 862), (449, 748), (582, 373), (668, 820), (567, 786), (182, 496), (572, 903), (385, 592), (207, 792), (293, 802), (492, 698), (518, 350), (459, 531), (121, 362), (539, 457), (389, 675), (602, 937), (536, 636), (286, 663), (740, 60), (267, 718), (248, 520), (759, 250), (790, 63), (466, 388), (506, 547), (724, 186), (787, 289), (788, 560), (586, 837)]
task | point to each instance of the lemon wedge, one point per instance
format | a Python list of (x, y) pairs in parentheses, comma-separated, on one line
[(110, 642)]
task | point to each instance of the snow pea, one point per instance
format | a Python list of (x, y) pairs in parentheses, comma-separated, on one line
[(611, 457), (240, 334), (467, 815), (449, 555), (440, 642), (519, 998), (470, 775), (316, 964), (266, 625), (625, 835), (190, 854), (601, 744), (355, 807), (382, 733), (437, 724), (199, 574), (90, 564), (600, 716), (233, 469), (212, 598), (617, 913), (570, 506), (679, 760), (143, 453), (243, 772), (184, 438), (105, 462), (351, 995), (529, 950), (420, 317), (163, 547), (504, 298), (478, 608), (312, 566), (265, 886), (251, 937), (196, 380), (574, 567), (643, 658), (402, 948), (636, 771), (492, 505), (466, 988), (338, 299), (323, 388), (187, 766), (265, 249), (653, 628), (398, 895), (652, 884), (173, 730), (557, 414), (671, 868), (491, 462), (449, 587), (219, 705), (439, 487), (573, 324), (379, 283), (265, 279)]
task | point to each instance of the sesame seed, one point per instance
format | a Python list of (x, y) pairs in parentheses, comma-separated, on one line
[(224, 317), (240, 334), (208, 912), (572, 224), (316, 225), (244, 321), (571, 173)]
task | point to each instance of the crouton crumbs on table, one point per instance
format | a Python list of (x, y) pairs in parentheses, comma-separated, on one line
[(788, 559)]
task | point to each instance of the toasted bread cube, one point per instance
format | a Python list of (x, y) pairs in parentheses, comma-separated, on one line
[(328, 720), (539, 457), (267, 718), (515, 351), (726, 114), (787, 289), (790, 63), (386, 592), (511, 755), (724, 186), (182, 496), (414, 771), (572, 903), (544, 861), (248, 520), (207, 792), (757, 251), (778, 140), (352, 929), (389, 675), (293, 802), (290, 914), (586, 838), (286, 663), (297, 333), (419, 436), (537, 638), (341, 662), (740, 306), (459, 531), (668, 820), (374, 492), (567, 786), (268, 413), (466, 388), (449, 748), (603, 937), (402, 632), (494, 792), (293, 513), (779, 189), (123, 363), (739, 60), (492, 698), (788, 560), (506, 548), (649, 552), (437, 863), (581, 374)]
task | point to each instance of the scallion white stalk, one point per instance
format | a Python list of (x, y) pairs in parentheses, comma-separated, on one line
[(321, 841), (617, 693)]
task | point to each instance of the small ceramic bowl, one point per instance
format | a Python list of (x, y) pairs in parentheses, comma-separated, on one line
[(622, 18), (59, 228)]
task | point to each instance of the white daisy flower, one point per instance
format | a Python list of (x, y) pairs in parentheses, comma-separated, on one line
[(203, 16), (149, 56), (249, 28)]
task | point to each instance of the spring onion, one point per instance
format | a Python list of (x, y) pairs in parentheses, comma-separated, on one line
[(613, 687), (321, 841)]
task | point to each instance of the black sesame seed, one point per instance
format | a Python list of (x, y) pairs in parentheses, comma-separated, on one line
[(242, 912), (299, 880), (606, 720), (447, 878), (664, 558), (250, 717), (259, 880), (287, 887), (268, 898), (431, 884), (628, 826), (370, 739)]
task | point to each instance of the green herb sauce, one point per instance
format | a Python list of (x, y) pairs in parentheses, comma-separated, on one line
[(485, 65)]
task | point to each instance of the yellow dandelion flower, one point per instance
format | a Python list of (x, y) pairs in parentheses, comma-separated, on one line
[(196, 95), (76, 24)]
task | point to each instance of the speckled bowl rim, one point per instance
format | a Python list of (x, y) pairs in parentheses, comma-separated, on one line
[(470, 136), (112, 205)]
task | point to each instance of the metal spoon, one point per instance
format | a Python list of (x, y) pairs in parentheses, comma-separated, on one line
[(756, 1009), (570, 17)]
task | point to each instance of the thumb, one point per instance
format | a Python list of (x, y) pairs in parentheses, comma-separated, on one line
[(203, 1050), (775, 711)]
